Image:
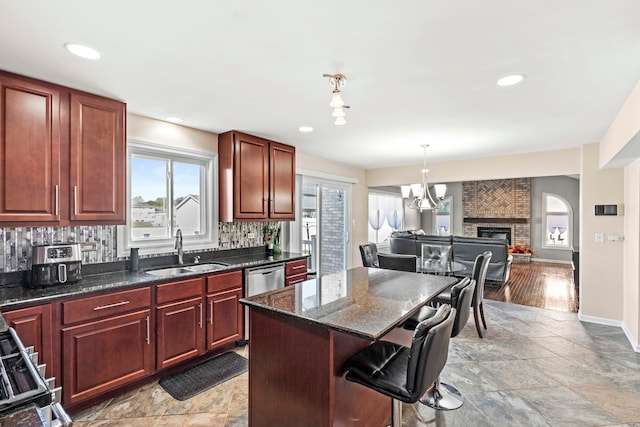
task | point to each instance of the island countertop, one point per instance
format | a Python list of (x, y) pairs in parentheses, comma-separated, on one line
[(366, 302)]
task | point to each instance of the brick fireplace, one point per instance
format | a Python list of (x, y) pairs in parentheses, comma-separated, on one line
[(498, 203)]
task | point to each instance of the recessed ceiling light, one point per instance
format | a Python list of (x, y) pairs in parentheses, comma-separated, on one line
[(174, 119), (82, 51), (305, 129), (510, 80)]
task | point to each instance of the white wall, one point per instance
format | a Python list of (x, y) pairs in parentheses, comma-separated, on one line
[(159, 132), (631, 289), (601, 264), (546, 163)]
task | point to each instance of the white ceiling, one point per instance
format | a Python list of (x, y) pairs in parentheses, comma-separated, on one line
[(418, 71)]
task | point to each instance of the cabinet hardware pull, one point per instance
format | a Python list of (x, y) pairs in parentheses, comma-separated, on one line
[(211, 310), (298, 267), (200, 322), (115, 304), (57, 199), (75, 199), (148, 332), (264, 206)]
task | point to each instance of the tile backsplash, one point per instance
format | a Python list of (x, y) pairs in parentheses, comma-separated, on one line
[(15, 243)]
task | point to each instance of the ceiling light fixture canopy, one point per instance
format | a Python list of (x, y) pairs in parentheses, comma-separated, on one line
[(82, 51), (337, 81), (422, 198)]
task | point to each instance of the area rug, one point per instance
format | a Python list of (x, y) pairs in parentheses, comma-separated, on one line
[(196, 379)]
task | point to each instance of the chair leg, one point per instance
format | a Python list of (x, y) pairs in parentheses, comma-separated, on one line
[(442, 396), (475, 317), (484, 323), (396, 413)]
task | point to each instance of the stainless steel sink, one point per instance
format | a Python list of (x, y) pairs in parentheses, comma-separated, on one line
[(196, 268), (212, 266)]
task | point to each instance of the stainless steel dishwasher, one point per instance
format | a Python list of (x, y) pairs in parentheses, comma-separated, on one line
[(260, 280)]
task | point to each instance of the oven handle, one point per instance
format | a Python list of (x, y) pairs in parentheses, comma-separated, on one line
[(62, 419)]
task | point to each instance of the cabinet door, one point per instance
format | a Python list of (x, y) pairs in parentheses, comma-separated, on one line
[(97, 175), (282, 181), (251, 177), (105, 354), (29, 151), (33, 325), (224, 318), (180, 329)]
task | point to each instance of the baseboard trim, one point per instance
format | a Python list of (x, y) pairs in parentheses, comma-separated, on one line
[(552, 261), (609, 322)]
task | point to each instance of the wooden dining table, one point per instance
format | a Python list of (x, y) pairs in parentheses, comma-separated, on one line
[(301, 335)]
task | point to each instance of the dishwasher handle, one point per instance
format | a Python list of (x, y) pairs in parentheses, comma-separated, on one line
[(266, 270)]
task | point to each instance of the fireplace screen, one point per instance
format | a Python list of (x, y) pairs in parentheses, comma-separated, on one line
[(495, 233)]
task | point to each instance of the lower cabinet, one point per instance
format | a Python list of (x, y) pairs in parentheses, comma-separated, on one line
[(106, 343), (105, 354), (295, 272), (191, 320), (34, 326), (224, 317), (179, 322)]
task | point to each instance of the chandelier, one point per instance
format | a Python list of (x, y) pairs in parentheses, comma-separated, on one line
[(337, 81), (422, 198)]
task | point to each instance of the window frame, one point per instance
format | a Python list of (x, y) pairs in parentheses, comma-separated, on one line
[(208, 192), (546, 212), (436, 213)]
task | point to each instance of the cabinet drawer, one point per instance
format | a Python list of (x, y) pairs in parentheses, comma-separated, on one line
[(224, 281), (292, 280), (175, 291), (293, 268), (105, 305)]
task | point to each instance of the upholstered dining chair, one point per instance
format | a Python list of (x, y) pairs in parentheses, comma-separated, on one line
[(405, 373), (369, 254), (398, 262), (479, 274), (442, 395)]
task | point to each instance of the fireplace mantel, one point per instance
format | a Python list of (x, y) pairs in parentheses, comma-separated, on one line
[(496, 220)]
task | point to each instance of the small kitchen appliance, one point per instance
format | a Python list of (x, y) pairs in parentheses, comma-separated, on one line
[(55, 264)]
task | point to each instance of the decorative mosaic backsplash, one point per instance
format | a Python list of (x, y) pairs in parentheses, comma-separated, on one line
[(15, 243)]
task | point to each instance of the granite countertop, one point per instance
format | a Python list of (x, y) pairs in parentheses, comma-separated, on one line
[(18, 294), (367, 302), (26, 416)]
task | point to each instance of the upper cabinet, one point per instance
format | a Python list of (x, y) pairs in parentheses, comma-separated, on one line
[(62, 155), (97, 159), (257, 178), (29, 151)]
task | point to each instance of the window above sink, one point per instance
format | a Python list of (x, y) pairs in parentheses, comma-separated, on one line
[(169, 189)]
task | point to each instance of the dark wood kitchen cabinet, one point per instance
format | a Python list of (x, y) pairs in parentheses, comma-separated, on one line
[(179, 322), (97, 159), (65, 149), (34, 326), (256, 178), (224, 311), (295, 272), (106, 343), (29, 151)]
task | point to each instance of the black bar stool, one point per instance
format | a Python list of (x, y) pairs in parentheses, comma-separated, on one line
[(403, 373), (446, 396)]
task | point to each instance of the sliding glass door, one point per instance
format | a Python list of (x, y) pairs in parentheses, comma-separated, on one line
[(323, 224)]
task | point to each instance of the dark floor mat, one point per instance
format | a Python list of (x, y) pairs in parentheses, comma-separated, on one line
[(196, 379)]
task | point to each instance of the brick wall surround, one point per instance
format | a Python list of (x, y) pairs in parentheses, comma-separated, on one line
[(498, 198)]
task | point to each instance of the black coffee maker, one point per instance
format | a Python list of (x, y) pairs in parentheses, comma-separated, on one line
[(55, 264)]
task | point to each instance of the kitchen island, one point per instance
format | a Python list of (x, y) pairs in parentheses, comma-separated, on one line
[(301, 335)]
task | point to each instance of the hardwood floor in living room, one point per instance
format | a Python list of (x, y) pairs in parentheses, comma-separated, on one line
[(538, 284)]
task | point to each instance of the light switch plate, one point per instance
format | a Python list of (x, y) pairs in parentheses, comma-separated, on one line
[(615, 238), (599, 238), (251, 235)]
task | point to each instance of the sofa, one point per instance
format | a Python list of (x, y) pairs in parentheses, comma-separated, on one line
[(463, 250)]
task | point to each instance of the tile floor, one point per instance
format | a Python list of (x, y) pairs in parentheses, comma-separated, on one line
[(535, 367)]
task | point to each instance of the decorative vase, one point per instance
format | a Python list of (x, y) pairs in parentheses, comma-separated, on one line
[(277, 249), (269, 248)]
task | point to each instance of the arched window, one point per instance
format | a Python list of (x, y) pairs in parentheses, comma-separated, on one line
[(557, 222)]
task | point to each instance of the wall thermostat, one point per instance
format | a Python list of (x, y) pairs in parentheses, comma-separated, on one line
[(609, 210)]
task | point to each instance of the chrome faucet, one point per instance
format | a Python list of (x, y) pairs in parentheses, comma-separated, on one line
[(179, 246)]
